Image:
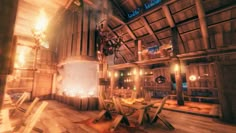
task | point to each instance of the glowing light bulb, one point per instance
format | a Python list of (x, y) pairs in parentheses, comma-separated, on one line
[(42, 21), (176, 67), (192, 78)]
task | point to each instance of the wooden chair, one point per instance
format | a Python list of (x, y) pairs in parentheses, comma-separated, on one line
[(134, 95), (122, 115), (158, 116), (27, 112), (18, 103), (105, 110), (30, 108), (27, 125)]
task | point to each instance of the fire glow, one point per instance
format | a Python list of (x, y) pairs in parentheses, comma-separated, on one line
[(79, 78)]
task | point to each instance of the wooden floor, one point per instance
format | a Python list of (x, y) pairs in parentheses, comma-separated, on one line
[(60, 118)]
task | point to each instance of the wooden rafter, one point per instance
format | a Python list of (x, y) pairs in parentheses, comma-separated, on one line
[(171, 22), (123, 58), (202, 21), (151, 11), (126, 26), (150, 31), (168, 16), (117, 5), (89, 2), (126, 47)]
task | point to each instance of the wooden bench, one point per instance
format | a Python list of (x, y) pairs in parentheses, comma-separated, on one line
[(197, 98)]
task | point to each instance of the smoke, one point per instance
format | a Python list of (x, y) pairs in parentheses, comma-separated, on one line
[(103, 12), (79, 78)]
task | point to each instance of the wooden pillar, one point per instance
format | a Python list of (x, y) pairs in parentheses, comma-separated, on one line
[(226, 109), (203, 23), (137, 79), (54, 84), (178, 80), (8, 10), (112, 81), (139, 50), (34, 84)]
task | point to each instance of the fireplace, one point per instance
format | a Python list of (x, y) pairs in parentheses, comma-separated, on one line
[(78, 79)]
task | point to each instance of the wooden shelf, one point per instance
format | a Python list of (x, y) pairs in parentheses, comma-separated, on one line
[(148, 75), (201, 88)]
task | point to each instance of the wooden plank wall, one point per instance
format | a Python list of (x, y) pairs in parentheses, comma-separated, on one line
[(149, 76), (22, 78), (226, 71), (43, 85), (205, 79), (77, 36)]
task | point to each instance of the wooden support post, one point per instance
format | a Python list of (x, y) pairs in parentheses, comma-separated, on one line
[(226, 108), (136, 79), (8, 16), (203, 23), (112, 81), (139, 50), (54, 85), (178, 80)]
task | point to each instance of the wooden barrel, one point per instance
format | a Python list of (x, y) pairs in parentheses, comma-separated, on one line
[(84, 103), (92, 103)]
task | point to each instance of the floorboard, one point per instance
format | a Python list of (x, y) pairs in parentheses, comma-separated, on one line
[(61, 118)]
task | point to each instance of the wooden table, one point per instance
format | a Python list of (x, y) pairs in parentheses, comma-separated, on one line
[(142, 107)]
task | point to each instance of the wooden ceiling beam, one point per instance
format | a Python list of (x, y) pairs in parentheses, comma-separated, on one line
[(151, 11), (203, 23), (122, 12), (123, 58), (89, 2), (126, 26), (126, 47), (168, 15), (130, 32), (150, 31)]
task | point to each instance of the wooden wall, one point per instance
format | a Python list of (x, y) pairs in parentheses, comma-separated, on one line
[(149, 84), (206, 78), (25, 78), (43, 85), (76, 38), (226, 72)]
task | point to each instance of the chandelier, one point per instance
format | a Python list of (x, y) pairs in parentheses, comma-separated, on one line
[(106, 45), (39, 30)]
